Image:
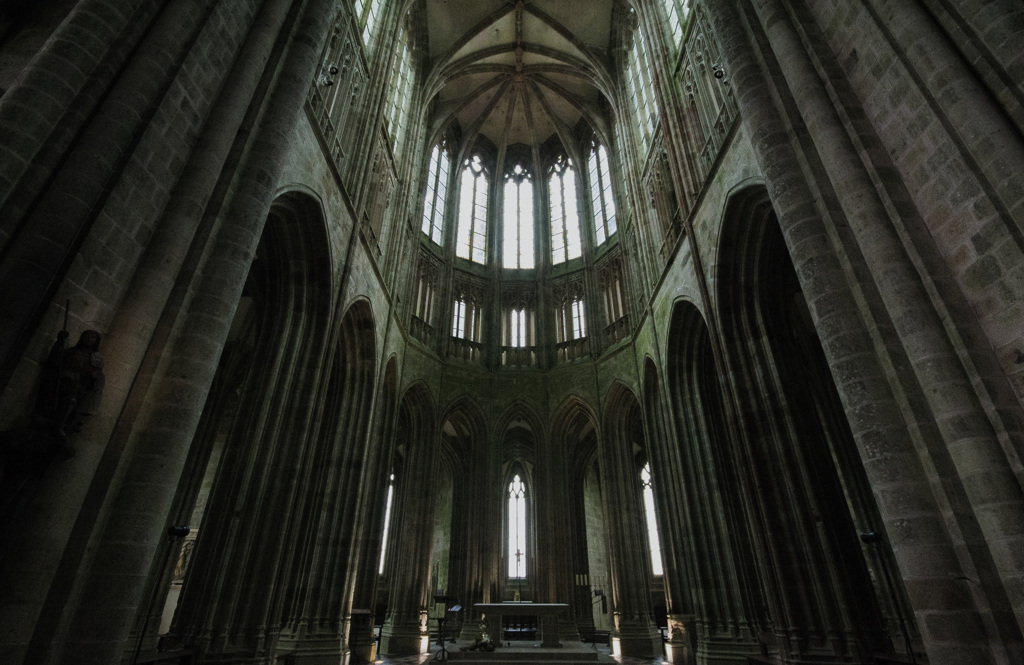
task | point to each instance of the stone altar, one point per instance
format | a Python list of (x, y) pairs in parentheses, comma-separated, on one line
[(546, 613)]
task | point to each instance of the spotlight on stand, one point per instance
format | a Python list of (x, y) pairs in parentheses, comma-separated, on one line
[(719, 72), (870, 538)]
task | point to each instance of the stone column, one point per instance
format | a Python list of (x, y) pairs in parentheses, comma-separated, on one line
[(163, 430), (405, 630), (881, 397)]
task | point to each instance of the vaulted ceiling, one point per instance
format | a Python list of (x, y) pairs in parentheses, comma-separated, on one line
[(518, 72)]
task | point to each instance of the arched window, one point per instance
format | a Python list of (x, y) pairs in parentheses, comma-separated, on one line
[(565, 221), (368, 11), (641, 90), (516, 529), (652, 523), (601, 193), (401, 91), (437, 192), (675, 12), (387, 521), (518, 219), (472, 232)]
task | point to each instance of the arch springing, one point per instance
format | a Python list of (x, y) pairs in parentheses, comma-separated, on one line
[(518, 219), (565, 221), (437, 192), (472, 231)]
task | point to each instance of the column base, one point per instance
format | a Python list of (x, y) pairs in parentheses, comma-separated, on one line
[(405, 635), (637, 639)]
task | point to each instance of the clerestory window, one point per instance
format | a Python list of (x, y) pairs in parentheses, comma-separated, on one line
[(516, 529), (652, 522), (640, 88), (565, 221), (401, 92), (367, 13), (518, 219), (603, 200), (676, 12), (437, 193), (471, 242)]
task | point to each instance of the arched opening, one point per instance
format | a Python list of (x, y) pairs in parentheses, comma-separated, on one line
[(713, 548), (241, 578), (411, 535), (623, 453), (807, 490)]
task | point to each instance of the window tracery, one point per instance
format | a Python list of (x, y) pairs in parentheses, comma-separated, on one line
[(516, 529), (368, 12), (565, 222), (518, 219), (471, 242), (641, 88), (518, 338), (605, 222), (402, 75), (437, 193), (570, 321)]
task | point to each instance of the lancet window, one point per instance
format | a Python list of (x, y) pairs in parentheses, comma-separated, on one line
[(471, 242), (368, 12), (565, 221), (601, 196), (652, 523), (675, 12), (570, 322), (516, 529), (466, 320), (518, 219), (401, 91), (518, 337), (437, 193), (640, 88), (387, 522)]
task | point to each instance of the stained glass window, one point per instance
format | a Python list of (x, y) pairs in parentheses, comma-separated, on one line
[(368, 11), (401, 92)]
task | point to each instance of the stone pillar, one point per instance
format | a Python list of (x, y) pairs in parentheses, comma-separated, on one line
[(405, 631), (625, 531), (871, 371), (162, 432)]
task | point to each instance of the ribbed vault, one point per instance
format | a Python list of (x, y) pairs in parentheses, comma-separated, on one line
[(518, 72)]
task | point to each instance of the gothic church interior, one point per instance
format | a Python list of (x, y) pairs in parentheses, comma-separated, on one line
[(703, 319)]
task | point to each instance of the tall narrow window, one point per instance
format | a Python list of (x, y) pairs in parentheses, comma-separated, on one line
[(518, 219), (518, 328), (368, 11), (640, 87), (601, 193), (387, 521), (565, 221), (516, 529), (579, 327), (652, 523), (472, 232), (401, 92), (675, 12), (459, 319), (437, 192)]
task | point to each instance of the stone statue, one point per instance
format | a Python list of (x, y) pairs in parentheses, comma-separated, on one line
[(72, 382)]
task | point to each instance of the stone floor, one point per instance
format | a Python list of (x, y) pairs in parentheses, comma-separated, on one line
[(603, 650)]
